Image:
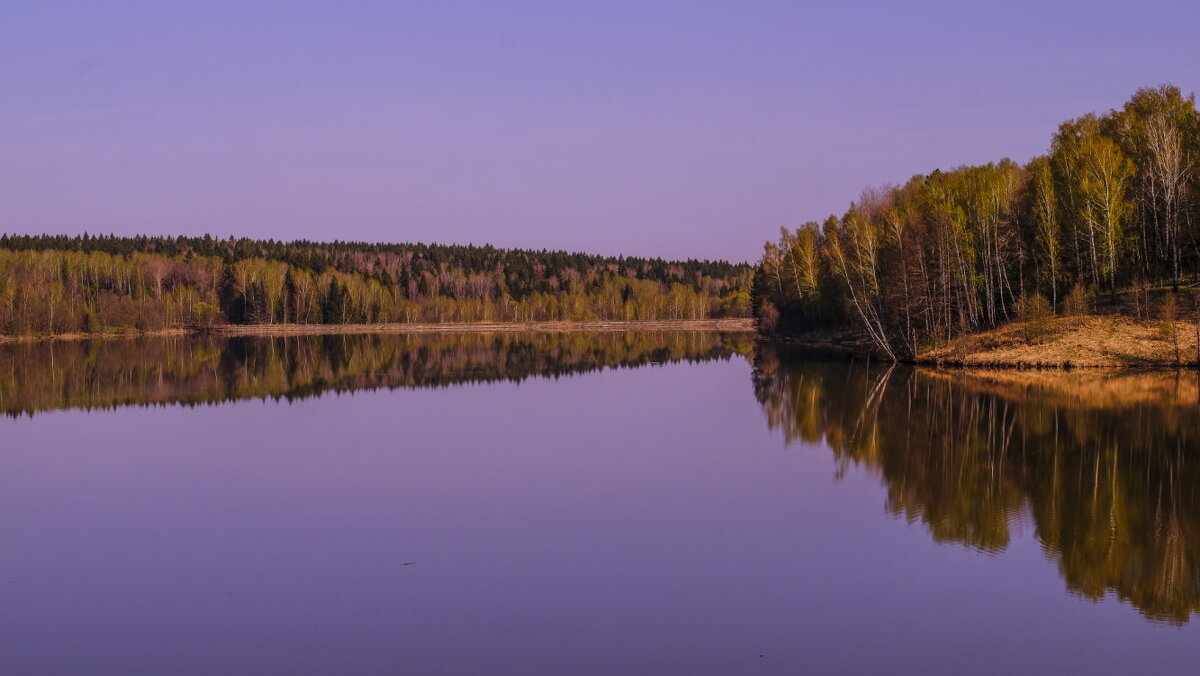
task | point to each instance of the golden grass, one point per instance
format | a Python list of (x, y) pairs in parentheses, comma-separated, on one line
[(1094, 341)]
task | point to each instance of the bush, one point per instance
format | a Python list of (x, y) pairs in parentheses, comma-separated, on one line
[(91, 323), (1168, 314), (204, 316), (1035, 311), (1077, 303), (768, 317)]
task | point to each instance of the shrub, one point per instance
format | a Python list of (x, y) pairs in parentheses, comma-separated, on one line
[(204, 315), (1077, 303), (1168, 314), (1035, 311), (91, 323), (768, 317)]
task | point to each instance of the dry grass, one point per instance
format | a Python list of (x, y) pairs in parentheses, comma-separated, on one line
[(1071, 342)]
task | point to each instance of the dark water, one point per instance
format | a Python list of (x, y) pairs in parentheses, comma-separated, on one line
[(560, 504)]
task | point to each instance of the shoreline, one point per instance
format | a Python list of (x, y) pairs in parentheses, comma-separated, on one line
[(738, 325), (1068, 343), (1061, 343)]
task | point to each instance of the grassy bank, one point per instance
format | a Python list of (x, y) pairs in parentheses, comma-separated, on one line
[(1069, 342)]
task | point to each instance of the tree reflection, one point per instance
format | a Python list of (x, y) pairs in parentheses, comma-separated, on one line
[(197, 370), (1105, 466)]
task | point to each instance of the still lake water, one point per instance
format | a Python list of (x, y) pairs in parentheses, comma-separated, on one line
[(586, 504)]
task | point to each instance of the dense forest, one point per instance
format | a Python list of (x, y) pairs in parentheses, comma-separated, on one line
[(1107, 216), (58, 284), (1099, 467)]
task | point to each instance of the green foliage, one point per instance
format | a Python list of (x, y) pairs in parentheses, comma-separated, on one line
[(52, 284), (205, 315), (91, 323), (1114, 203)]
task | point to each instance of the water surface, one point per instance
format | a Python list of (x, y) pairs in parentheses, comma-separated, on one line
[(612, 503)]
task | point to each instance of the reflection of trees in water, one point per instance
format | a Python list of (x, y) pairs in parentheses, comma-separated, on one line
[(192, 370), (1106, 466)]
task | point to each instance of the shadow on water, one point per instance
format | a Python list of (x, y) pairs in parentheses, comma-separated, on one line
[(1105, 466), (204, 370)]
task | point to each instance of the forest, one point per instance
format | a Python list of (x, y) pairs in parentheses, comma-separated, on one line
[(95, 284), (1105, 222)]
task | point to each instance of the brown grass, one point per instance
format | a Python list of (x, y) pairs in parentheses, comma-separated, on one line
[(1093, 341)]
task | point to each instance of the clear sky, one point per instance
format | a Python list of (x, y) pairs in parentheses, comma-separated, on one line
[(681, 129)]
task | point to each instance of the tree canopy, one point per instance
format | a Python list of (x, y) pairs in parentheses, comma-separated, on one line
[(1114, 205), (59, 284)]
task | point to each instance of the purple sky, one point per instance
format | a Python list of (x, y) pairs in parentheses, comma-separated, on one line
[(679, 129)]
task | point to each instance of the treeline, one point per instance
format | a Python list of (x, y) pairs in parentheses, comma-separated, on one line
[(1104, 470), (205, 369), (1110, 211), (58, 284)]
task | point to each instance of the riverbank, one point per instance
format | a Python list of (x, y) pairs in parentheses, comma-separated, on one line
[(731, 325), (1053, 343), (1072, 342), (740, 325)]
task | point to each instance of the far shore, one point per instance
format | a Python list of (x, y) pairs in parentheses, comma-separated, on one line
[(231, 330), (1059, 343)]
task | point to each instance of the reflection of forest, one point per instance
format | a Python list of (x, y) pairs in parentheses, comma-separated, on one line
[(1106, 466), (192, 370)]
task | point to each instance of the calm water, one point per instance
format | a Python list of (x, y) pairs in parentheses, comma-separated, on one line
[(610, 504)]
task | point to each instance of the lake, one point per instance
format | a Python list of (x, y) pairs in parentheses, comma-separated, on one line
[(660, 503)]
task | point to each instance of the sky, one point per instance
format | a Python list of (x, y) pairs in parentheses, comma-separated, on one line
[(676, 129)]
